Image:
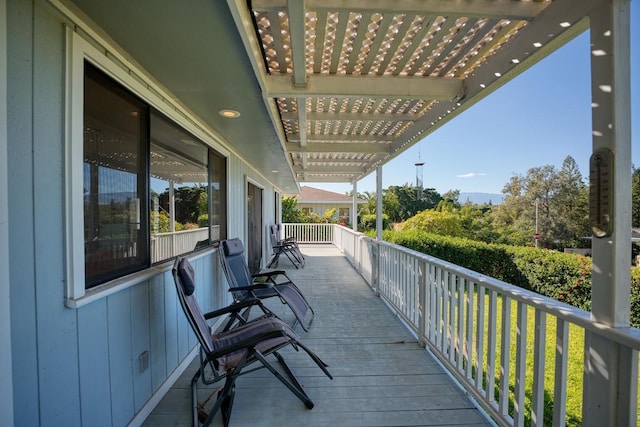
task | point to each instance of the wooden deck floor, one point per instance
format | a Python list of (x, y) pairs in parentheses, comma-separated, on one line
[(382, 377)]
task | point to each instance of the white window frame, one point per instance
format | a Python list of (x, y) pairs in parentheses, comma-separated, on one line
[(79, 49)]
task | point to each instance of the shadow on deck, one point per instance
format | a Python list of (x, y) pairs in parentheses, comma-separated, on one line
[(382, 377)]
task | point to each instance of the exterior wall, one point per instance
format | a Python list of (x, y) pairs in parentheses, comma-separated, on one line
[(321, 208), (239, 174), (6, 381), (81, 366)]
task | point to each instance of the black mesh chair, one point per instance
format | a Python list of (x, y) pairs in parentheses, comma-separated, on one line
[(239, 348), (262, 285), (289, 249), (288, 240)]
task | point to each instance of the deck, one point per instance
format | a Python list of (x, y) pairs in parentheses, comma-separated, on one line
[(382, 377)]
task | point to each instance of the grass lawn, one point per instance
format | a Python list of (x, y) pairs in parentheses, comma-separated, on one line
[(574, 365)]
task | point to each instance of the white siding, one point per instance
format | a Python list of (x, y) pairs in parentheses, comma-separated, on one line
[(6, 385), (321, 208)]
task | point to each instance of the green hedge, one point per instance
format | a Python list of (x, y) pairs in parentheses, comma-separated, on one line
[(562, 276)]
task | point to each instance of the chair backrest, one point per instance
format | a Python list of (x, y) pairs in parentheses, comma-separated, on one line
[(235, 267), (274, 235), (184, 279)]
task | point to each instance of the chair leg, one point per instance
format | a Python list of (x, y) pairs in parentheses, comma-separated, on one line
[(227, 404), (197, 415), (224, 402), (291, 383), (273, 263), (293, 258)]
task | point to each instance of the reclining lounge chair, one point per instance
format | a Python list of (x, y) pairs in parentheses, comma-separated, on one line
[(288, 240), (237, 349), (289, 248), (265, 284)]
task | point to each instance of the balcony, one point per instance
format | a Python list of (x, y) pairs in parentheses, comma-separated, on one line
[(410, 342)]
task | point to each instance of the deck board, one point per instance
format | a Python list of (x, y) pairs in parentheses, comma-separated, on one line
[(382, 377)]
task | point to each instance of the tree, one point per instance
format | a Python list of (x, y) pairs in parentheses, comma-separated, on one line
[(571, 206), (401, 203), (370, 207), (452, 196), (190, 203), (290, 211), (562, 204), (510, 218)]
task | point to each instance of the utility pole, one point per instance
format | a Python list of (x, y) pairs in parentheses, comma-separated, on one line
[(537, 235)]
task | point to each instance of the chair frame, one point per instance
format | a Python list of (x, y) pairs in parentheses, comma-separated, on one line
[(287, 247), (265, 284), (277, 330)]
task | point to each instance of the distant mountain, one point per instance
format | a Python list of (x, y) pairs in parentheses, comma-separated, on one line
[(481, 198)]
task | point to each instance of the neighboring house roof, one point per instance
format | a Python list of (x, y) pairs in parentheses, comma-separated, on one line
[(316, 195)]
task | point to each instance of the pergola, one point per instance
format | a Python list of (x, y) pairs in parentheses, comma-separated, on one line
[(331, 90)]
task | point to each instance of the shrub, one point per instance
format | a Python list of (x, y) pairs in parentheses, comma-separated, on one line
[(558, 275), (443, 223), (203, 220), (368, 222)]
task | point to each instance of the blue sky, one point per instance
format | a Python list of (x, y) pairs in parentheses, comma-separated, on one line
[(537, 119)]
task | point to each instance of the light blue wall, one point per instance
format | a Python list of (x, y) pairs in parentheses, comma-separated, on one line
[(81, 366), (6, 376)]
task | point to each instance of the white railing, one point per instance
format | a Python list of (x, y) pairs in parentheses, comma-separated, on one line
[(168, 245), (487, 332), (308, 233)]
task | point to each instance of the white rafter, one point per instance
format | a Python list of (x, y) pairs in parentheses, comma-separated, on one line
[(393, 87), (507, 9), (338, 147)]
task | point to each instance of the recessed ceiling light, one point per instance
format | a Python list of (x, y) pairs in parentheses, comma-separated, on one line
[(275, 171), (229, 114)]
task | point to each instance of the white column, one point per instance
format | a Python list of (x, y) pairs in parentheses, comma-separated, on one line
[(172, 207), (379, 202), (6, 375), (354, 208), (610, 394)]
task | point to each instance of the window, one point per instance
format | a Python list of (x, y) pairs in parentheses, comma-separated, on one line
[(114, 130), (152, 191), (343, 215)]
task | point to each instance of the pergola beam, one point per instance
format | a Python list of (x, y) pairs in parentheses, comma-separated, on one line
[(327, 178), (314, 137), (346, 116), (501, 9), (393, 87), (339, 147), (361, 162), (330, 169)]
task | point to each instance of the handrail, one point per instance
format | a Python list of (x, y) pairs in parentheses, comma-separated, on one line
[(465, 319), (168, 245)]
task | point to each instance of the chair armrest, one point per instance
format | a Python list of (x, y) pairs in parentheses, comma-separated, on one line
[(264, 285), (233, 308), (268, 273)]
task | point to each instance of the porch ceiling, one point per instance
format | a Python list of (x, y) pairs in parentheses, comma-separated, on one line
[(330, 89)]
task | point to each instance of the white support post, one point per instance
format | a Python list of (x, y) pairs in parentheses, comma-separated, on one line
[(610, 378), (172, 207), (354, 208), (379, 202)]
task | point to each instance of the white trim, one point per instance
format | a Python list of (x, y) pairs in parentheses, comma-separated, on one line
[(6, 372), (249, 180), (126, 282), (78, 50), (148, 407)]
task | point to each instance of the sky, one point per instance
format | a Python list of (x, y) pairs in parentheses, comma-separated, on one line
[(537, 119)]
